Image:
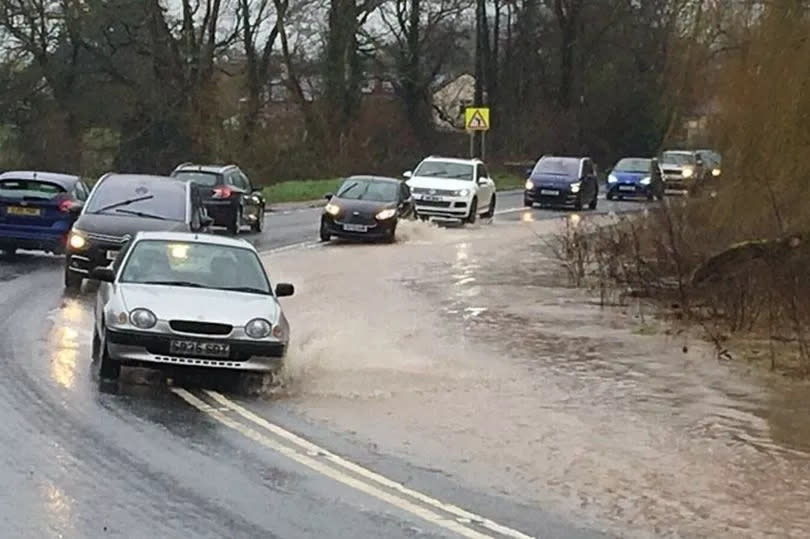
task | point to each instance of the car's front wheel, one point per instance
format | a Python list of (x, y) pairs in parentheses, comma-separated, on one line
[(324, 233), (527, 202), (108, 368), (593, 203), (491, 210), (473, 216), (73, 280), (258, 225)]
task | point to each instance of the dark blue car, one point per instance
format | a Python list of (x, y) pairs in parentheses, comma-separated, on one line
[(562, 181), (37, 209), (636, 177)]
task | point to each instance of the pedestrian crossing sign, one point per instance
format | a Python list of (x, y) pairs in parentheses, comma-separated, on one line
[(476, 118)]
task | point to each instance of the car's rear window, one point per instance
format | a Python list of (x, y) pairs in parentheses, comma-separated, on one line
[(206, 179), (29, 189)]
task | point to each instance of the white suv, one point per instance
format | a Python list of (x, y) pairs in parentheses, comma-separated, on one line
[(450, 188)]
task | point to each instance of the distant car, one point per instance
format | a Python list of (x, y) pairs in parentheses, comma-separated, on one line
[(119, 206), (180, 300), (714, 161), (562, 181), (636, 177), (683, 169), (37, 209), (367, 207), (450, 188), (228, 194)]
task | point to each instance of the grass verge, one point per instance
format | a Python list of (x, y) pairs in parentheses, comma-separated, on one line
[(310, 190)]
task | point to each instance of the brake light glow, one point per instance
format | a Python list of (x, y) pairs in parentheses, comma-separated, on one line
[(222, 192)]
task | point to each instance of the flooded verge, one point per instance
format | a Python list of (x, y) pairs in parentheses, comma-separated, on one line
[(466, 339)]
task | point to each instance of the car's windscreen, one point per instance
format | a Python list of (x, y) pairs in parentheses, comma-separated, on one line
[(445, 169), (195, 265), (150, 199), (206, 179), (29, 190), (678, 158), (632, 165), (360, 189), (557, 166)]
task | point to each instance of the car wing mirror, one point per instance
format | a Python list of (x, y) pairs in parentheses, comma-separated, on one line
[(284, 290), (328, 196), (407, 174), (529, 171), (106, 275), (76, 208)]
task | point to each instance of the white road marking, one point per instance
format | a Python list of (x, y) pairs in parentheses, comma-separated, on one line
[(363, 472), (330, 471)]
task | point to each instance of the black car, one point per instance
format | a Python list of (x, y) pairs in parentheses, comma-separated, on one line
[(37, 209), (562, 181), (228, 195), (367, 207), (121, 205)]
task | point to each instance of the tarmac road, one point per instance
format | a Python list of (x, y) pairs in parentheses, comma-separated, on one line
[(147, 460)]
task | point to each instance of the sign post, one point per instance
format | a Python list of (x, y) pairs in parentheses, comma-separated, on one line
[(476, 119)]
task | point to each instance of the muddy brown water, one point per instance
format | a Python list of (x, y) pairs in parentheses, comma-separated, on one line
[(461, 350)]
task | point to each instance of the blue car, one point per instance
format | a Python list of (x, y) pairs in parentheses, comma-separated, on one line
[(37, 209), (562, 181), (636, 177)]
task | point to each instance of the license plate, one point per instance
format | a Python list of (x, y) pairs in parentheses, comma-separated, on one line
[(549, 192), (210, 349), (18, 210), (626, 188), (111, 255), (431, 198), (355, 228)]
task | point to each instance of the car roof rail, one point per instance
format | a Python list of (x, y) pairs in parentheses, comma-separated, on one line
[(181, 165)]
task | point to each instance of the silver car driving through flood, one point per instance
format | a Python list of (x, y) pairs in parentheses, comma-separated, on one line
[(173, 300)]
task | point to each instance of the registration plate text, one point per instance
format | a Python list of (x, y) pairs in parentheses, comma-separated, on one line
[(549, 192), (210, 349), (431, 198), (355, 228), (626, 188), (18, 210)]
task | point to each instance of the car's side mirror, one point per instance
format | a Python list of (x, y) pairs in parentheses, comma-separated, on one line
[(407, 174), (106, 275), (284, 290), (76, 208), (529, 171), (328, 196)]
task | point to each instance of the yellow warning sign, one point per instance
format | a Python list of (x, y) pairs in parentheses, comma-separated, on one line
[(476, 118)]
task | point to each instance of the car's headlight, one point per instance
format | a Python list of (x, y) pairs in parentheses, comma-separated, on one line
[(77, 239), (687, 172), (529, 185), (258, 328), (461, 193), (142, 318), (612, 179), (715, 172), (332, 209), (386, 214), (645, 180), (575, 187)]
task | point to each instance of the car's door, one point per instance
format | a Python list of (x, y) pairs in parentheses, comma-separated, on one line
[(254, 198)]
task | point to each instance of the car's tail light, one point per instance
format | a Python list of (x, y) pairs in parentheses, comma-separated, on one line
[(222, 192)]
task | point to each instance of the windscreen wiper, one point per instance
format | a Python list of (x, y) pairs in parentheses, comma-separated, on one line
[(143, 214), (174, 283), (124, 203), (246, 289)]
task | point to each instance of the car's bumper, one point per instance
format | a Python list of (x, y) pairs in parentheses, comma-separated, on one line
[(446, 207), (621, 189), (551, 196), (95, 255), (374, 230), (152, 350), (22, 238)]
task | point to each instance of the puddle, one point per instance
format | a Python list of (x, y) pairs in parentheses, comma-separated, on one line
[(465, 352)]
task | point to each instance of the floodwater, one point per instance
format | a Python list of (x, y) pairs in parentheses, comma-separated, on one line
[(462, 351)]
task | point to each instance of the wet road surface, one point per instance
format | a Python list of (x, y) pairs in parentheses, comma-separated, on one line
[(146, 460)]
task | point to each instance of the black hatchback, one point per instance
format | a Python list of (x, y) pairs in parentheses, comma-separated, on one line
[(228, 195), (367, 207), (121, 205)]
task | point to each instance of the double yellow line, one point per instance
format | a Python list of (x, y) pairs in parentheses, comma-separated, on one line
[(324, 462)]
